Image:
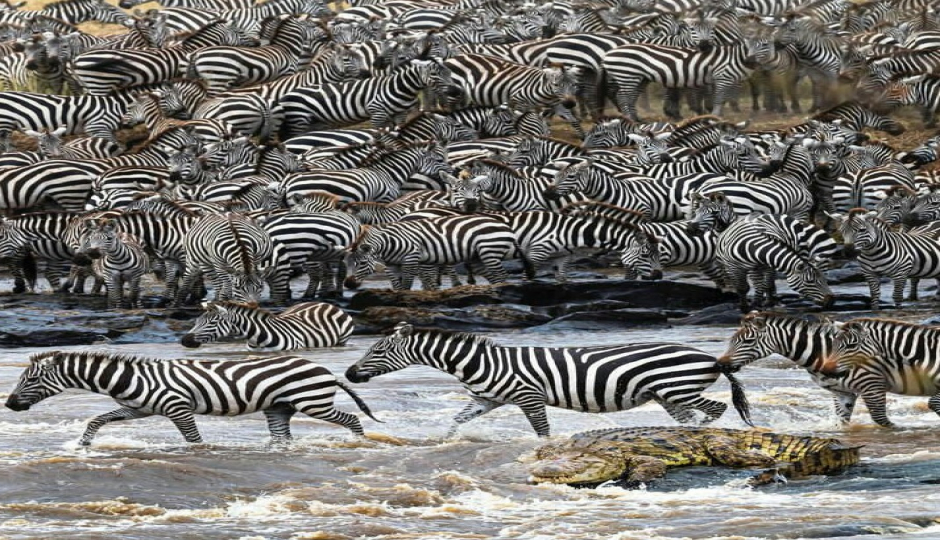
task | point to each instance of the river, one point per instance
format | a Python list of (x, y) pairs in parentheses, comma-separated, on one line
[(140, 481)]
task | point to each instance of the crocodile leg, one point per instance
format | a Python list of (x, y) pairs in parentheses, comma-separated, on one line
[(642, 470), (827, 459), (726, 452)]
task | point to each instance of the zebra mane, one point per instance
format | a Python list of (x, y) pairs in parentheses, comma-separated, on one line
[(563, 142), (891, 322), (788, 317), (385, 152), (242, 252), (176, 205), (364, 233), (97, 355), (704, 120), (321, 196), (233, 304), (600, 207), (838, 111), (183, 37), (504, 167), (449, 335)]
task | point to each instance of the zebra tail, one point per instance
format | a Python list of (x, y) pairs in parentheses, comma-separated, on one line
[(738, 397), (29, 270), (527, 266), (362, 404)]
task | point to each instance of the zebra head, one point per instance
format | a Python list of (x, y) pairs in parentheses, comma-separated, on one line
[(466, 191), (447, 129), (214, 323), (643, 256), (712, 212), (433, 161), (141, 107), (248, 286), (184, 166), (702, 31), (651, 149), (313, 202), (362, 258), (852, 346), (608, 134), (387, 355), (749, 342), (570, 178), (499, 122), (42, 379), (13, 240), (925, 208), (101, 237), (532, 124), (349, 62), (896, 205), (849, 225), (565, 82), (50, 142), (810, 281), (827, 155), (870, 230)]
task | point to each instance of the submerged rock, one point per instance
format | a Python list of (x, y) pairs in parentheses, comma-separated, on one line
[(615, 319)]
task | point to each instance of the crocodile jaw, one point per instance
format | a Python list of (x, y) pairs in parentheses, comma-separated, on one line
[(577, 466)]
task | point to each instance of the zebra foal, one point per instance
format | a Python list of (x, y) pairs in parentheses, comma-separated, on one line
[(303, 326), (589, 379), (278, 386), (877, 356)]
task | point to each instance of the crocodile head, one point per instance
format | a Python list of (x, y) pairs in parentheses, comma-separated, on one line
[(578, 462)]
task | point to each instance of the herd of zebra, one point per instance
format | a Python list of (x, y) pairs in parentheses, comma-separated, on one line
[(254, 168)]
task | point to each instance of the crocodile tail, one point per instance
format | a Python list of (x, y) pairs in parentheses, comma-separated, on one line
[(739, 398)]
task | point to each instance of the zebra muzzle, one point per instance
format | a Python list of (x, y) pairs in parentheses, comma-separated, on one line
[(189, 341), (351, 283), (353, 376), (655, 275), (13, 403), (82, 259)]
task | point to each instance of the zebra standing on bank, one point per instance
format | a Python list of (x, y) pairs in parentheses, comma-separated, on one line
[(876, 356), (233, 250), (805, 342), (588, 379), (303, 326), (180, 388), (410, 248), (118, 258)]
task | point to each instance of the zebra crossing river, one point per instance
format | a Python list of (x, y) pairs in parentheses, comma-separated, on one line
[(138, 480)]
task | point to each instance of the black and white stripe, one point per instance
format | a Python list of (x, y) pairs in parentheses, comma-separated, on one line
[(588, 379)]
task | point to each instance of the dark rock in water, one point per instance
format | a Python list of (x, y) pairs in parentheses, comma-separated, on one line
[(851, 302), (467, 295), (935, 320), (720, 314), (601, 305), (616, 319), (845, 275), (462, 319), (645, 294), (55, 337)]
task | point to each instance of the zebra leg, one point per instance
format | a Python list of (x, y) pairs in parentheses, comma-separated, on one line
[(533, 407), (124, 413), (712, 409), (478, 407), (845, 405), (680, 412), (171, 280), (627, 94), (567, 114), (182, 417), (671, 103), (898, 294), (278, 418), (714, 272), (874, 289), (738, 280), (915, 282), (190, 275), (133, 293), (114, 285), (315, 272), (493, 269), (333, 416), (429, 277), (875, 400), (934, 403)]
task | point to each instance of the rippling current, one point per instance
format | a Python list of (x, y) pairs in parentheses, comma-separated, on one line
[(139, 480)]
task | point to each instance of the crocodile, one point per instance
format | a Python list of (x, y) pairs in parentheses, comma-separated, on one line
[(630, 457)]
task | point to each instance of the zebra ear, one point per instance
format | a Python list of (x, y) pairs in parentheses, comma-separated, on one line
[(60, 131), (403, 329), (448, 178), (91, 224), (207, 306), (220, 309)]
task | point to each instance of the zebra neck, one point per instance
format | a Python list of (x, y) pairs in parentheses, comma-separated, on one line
[(100, 373), (250, 323), (804, 343)]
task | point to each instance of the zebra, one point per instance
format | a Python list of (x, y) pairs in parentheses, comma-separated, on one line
[(897, 255), (868, 187), (180, 388), (37, 236), (378, 180), (589, 379), (97, 116), (807, 343), (498, 186), (490, 82), (300, 239), (303, 326), (756, 247), (381, 100), (117, 258), (100, 72), (290, 47), (51, 145), (876, 356), (632, 67), (922, 90), (411, 247), (233, 250)]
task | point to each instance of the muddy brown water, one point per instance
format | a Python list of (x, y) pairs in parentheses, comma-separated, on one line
[(139, 480)]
